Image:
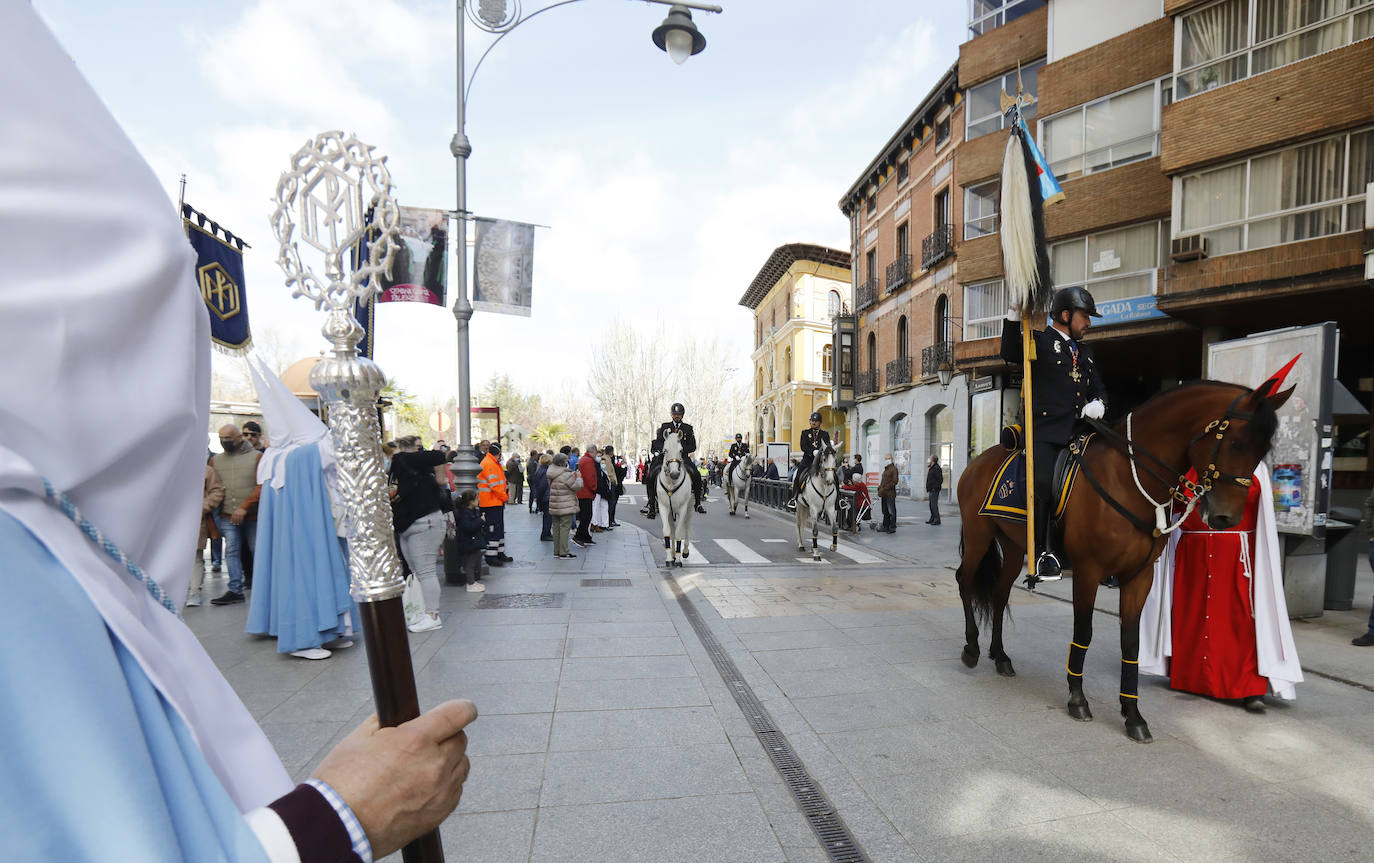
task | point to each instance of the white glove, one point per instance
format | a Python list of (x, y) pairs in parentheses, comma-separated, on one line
[(1094, 409), (1013, 314)]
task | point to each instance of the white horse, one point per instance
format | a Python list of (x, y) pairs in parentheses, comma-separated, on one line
[(817, 500), (675, 501), (737, 488)]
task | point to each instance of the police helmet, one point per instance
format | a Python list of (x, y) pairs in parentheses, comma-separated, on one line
[(677, 408), (815, 416), (739, 436), (1073, 298)]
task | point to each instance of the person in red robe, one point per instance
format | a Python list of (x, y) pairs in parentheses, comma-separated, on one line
[(1216, 621)]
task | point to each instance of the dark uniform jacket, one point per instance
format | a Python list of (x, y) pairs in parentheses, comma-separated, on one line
[(811, 439), (685, 435), (739, 450), (1057, 399)]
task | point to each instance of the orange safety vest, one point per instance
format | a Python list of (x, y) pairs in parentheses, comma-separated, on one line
[(491, 482)]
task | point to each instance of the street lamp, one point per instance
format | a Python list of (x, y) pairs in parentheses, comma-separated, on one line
[(677, 35)]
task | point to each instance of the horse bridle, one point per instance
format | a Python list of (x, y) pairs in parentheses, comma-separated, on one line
[(811, 481), (1184, 491)]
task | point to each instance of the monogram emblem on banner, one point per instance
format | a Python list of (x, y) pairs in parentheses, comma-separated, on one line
[(219, 290)]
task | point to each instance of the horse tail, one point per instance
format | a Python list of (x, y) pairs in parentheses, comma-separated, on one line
[(985, 577)]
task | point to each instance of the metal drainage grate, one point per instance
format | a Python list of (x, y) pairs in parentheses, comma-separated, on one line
[(606, 582), (830, 829), (521, 600)]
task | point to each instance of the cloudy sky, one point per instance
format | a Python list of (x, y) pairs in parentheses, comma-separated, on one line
[(665, 187)]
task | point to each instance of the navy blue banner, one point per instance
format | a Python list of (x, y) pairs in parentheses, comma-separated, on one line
[(219, 277), (365, 311)]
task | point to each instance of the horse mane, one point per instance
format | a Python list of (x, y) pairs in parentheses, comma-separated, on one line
[(1259, 431)]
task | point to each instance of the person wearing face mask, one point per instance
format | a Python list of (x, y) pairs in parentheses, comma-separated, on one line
[(887, 496), (237, 518), (935, 480)]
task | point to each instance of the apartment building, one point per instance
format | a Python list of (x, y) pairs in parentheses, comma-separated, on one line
[(905, 211), (1215, 157), (794, 296)]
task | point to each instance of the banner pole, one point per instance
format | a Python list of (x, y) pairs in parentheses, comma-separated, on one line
[(1028, 413)]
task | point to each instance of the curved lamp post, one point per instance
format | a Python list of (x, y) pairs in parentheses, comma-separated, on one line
[(677, 35)]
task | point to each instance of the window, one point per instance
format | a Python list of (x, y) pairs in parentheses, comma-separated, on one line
[(985, 306), (1311, 190), (941, 133), (1234, 39), (871, 258), (903, 349), (872, 204), (903, 239), (827, 361), (987, 15), (1103, 134), (1112, 265), (872, 351), (787, 365), (983, 107), (942, 319), (903, 171), (980, 209), (834, 304), (942, 209)]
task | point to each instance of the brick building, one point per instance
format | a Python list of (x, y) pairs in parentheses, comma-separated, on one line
[(1215, 158), (905, 212), (793, 297)]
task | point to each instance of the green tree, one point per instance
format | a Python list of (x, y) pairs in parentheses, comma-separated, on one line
[(550, 435), (409, 416)]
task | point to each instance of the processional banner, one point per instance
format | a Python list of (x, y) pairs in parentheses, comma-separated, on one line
[(219, 277), (503, 267), (419, 268)]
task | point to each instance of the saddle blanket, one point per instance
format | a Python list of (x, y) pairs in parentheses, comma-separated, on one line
[(1006, 498)]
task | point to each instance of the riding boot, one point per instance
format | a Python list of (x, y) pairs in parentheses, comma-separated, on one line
[(1047, 565), (698, 493)]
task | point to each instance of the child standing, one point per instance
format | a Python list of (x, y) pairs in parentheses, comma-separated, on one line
[(471, 542)]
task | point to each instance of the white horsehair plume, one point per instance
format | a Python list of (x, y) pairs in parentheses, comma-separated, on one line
[(1019, 258)]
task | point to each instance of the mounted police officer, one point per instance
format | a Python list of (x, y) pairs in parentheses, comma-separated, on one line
[(1066, 388), (738, 450), (813, 440), (688, 438)]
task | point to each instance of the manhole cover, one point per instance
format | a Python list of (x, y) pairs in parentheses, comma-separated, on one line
[(521, 600), (606, 582)]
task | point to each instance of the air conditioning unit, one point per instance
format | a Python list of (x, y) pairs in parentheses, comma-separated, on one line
[(1192, 248)]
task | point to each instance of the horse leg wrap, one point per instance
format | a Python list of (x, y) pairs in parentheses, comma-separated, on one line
[(1077, 653), (677, 546), (667, 543), (1130, 680)]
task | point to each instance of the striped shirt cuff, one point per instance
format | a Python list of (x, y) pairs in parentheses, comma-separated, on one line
[(361, 846)]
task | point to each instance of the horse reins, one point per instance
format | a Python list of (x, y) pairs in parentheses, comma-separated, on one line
[(1184, 491)]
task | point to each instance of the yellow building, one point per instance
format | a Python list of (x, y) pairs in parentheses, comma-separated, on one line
[(793, 298)]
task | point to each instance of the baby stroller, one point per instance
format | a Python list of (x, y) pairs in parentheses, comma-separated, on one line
[(862, 506)]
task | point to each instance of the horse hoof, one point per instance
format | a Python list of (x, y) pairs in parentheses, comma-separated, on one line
[(801, 548), (1080, 712), (969, 656), (1139, 733), (1004, 667)]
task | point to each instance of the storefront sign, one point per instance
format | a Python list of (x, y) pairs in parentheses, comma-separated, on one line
[(1132, 309)]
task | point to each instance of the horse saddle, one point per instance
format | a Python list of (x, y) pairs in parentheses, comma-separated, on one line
[(1006, 497)]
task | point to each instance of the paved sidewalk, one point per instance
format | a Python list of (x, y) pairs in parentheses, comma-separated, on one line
[(607, 734)]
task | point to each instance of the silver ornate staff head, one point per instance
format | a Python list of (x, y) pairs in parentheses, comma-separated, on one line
[(331, 185)]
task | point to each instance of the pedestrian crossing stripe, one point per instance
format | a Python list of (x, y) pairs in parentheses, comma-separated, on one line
[(857, 555), (696, 557), (776, 540), (740, 552)]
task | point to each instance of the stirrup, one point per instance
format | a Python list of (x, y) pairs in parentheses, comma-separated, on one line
[(1047, 569), (791, 504)]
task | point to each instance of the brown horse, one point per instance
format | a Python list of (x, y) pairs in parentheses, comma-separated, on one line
[(1220, 430)]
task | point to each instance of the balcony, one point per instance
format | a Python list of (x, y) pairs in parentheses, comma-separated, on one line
[(899, 372), (825, 376), (866, 382), (938, 246), (867, 294), (898, 272), (935, 356)]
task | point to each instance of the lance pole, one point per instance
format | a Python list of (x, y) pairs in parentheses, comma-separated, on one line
[(328, 189), (1027, 408)]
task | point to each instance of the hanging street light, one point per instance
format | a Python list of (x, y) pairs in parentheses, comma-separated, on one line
[(678, 35)]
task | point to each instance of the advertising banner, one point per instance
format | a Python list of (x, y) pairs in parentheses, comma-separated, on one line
[(503, 267), (419, 266)]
